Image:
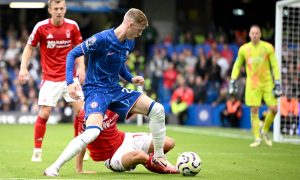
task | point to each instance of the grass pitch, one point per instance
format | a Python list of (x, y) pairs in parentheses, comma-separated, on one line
[(225, 154)]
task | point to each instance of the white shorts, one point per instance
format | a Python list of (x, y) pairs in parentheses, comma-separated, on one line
[(51, 92), (132, 142)]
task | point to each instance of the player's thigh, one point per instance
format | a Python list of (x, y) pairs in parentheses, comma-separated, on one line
[(50, 92), (142, 105), (96, 103), (122, 101), (269, 98), (132, 142), (253, 97)]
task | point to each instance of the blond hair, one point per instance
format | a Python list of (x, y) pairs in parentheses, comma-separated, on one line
[(137, 16)]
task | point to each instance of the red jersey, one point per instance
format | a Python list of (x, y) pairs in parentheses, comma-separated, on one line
[(185, 94), (109, 140), (55, 43)]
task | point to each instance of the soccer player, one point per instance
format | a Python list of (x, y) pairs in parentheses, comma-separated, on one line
[(123, 151), (263, 81), (56, 36), (107, 52)]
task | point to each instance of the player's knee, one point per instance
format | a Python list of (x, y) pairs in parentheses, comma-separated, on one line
[(273, 109), (254, 110), (139, 156), (45, 112), (157, 112), (169, 144), (90, 134)]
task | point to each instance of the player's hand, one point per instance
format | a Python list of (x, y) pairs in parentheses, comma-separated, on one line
[(23, 75), (138, 80), (73, 90), (232, 87), (80, 73), (277, 89), (87, 172)]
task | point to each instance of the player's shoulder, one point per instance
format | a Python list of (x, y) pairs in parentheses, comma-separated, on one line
[(72, 22), (42, 23), (245, 46), (266, 44)]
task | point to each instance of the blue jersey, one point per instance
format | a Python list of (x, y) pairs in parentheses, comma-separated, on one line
[(106, 61)]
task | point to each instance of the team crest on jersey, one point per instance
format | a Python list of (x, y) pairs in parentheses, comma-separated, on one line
[(91, 43), (94, 105), (68, 33)]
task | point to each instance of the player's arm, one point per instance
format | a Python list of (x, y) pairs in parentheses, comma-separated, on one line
[(26, 56), (273, 61), (125, 74), (80, 66), (80, 155), (70, 63), (237, 65), (274, 64), (136, 80), (80, 71), (235, 72)]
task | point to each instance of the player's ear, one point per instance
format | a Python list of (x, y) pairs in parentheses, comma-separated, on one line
[(49, 10)]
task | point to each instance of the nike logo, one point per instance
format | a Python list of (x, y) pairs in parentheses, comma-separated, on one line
[(110, 53)]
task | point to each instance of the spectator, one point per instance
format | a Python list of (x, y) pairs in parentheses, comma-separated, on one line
[(182, 97), (232, 112)]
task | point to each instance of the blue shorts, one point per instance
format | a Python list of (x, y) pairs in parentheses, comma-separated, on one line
[(119, 101)]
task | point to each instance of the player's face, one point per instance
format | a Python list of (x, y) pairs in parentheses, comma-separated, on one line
[(255, 34), (135, 30), (57, 11)]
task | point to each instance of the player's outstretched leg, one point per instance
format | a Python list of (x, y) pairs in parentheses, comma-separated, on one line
[(73, 148), (158, 131), (156, 166)]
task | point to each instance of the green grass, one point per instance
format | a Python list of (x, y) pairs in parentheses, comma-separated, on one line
[(225, 154)]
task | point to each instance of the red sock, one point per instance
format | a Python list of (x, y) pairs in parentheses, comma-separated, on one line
[(78, 122), (39, 131)]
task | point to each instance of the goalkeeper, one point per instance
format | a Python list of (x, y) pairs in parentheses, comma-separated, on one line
[(262, 82)]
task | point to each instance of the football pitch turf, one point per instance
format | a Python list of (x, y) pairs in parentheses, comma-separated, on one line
[(225, 154)]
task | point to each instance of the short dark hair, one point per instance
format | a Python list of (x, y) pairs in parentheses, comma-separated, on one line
[(56, 1)]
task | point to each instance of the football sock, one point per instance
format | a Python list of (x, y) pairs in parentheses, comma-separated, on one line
[(39, 132), (76, 145), (157, 128), (78, 121), (268, 121), (255, 125)]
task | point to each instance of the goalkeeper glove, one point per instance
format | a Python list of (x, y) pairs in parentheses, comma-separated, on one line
[(277, 89), (232, 87)]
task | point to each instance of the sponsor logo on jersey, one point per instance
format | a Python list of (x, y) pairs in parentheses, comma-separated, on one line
[(110, 53), (91, 43), (50, 36), (58, 44)]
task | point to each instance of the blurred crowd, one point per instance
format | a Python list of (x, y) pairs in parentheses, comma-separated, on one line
[(179, 70)]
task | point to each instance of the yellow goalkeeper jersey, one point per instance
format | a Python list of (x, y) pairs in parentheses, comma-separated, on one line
[(260, 61)]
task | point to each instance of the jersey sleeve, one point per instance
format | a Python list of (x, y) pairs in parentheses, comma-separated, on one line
[(92, 44), (238, 64), (273, 62), (124, 73), (34, 37), (70, 63), (77, 38)]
